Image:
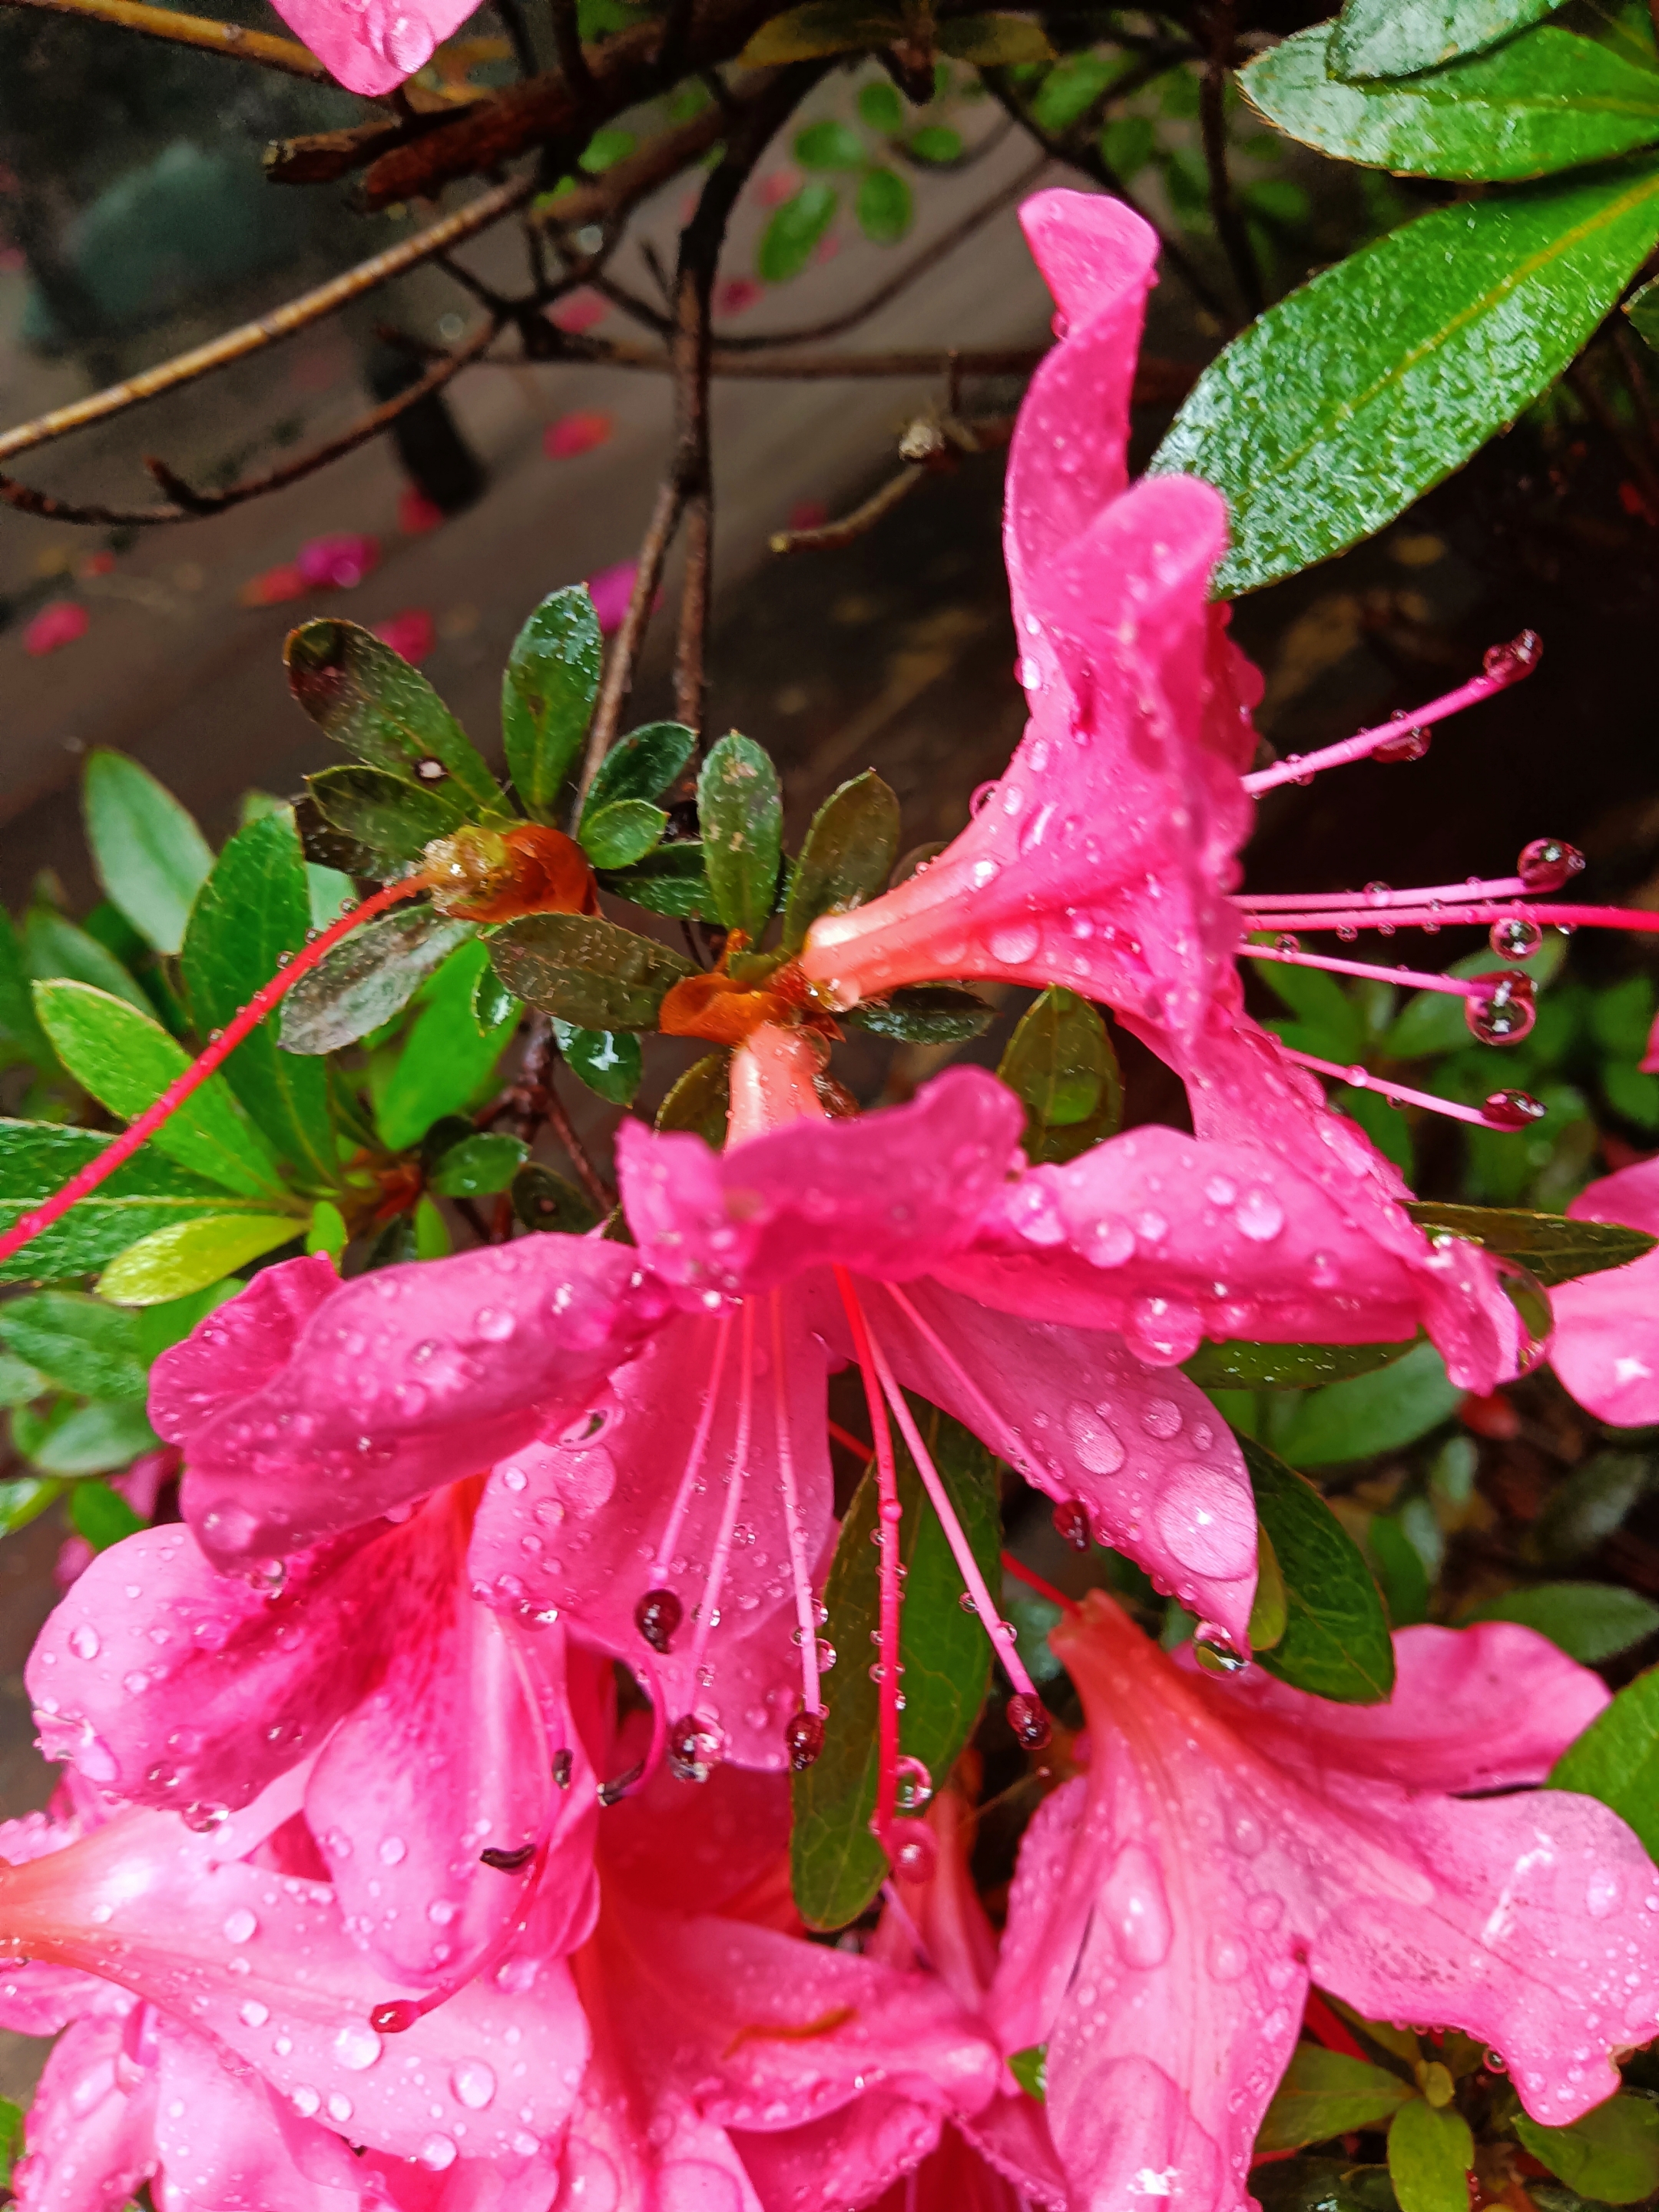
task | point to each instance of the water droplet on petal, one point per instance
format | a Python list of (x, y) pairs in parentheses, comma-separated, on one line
[(83, 1640), (239, 1925), (474, 2083)]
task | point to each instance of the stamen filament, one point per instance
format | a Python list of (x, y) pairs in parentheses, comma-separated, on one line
[(1456, 986), (81, 1185), (1497, 887), (1451, 917), (711, 1596), (671, 1535), (1022, 1573), (1361, 1079), (890, 1513), (800, 1566)]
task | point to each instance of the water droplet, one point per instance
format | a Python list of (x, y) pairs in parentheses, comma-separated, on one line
[(1098, 1445), (437, 2152), (914, 1784), (1512, 1110), (240, 1925), (1134, 1907), (1229, 1959), (83, 1640), (306, 2101), (1015, 944), (1410, 745), (1071, 1524), (695, 1746), (1028, 1720), (357, 2046), (1509, 663), (1547, 863), (393, 1850), (1215, 1650), (1163, 1331), (657, 1615), (474, 2083), (913, 1849), (251, 2013), (201, 1819), (1514, 938), (1161, 1417), (494, 1323), (1504, 1007), (803, 1740), (1260, 1216), (339, 2105)]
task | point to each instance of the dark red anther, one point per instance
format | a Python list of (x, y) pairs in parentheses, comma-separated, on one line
[(1512, 1110), (1504, 1007), (1028, 1721), (656, 1616), (1071, 1524), (805, 1739), (1547, 863), (1510, 663), (507, 1861), (393, 2019), (563, 1763), (1410, 745)]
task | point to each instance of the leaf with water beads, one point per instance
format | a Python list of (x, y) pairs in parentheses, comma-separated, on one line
[(367, 980), (1610, 2156), (670, 879), (148, 1192), (1398, 38), (150, 856), (701, 1101), (1241, 1365), (1551, 1245), (923, 1013), (361, 694), (383, 813), (848, 856), (1061, 1065), (1336, 1642), (1431, 2151), (1325, 2093), (585, 970), (548, 689), (545, 1200), (740, 809)]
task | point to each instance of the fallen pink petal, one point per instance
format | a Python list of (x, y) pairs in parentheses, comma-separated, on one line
[(412, 635), (577, 434), (337, 563), (59, 623)]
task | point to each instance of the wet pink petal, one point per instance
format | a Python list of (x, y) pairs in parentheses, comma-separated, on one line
[(735, 295), (578, 434), (412, 635), (705, 1846), (223, 2139), (370, 49), (91, 2138), (1606, 1345), (849, 2157), (610, 591), (59, 623), (338, 562)]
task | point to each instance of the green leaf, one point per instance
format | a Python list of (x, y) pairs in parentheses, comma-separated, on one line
[(1240, 1365), (587, 971), (53, 947), (255, 907), (18, 1025), (848, 856), (701, 1101), (11, 2139), (670, 880), (622, 833), (1643, 308), (362, 696), (1544, 102), (1075, 84), (1548, 1245), (608, 1062), (479, 1165), (151, 857), (791, 237), (23, 1498), (1377, 1413), (187, 1255), (1580, 1514), (1326, 2093), (147, 1193), (126, 1061), (1321, 1006), (822, 27), (1127, 143), (923, 1013), (543, 1199), (1397, 37), (1401, 1572), (386, 813), (1610, 2156), (1029, 2067), (492, 1002), (78, 1343), (1589, 1621), (1336, 408), (548, 690), (993, 41), (369, 977), (1336, 1642), (81, 1440), (1060, 1064), (886, 206), (604, 149), (642, 765), (836, 1863), (1616, 1759), (1431, 2151), (740, 808), (1270, 1609), (829, 145), (936, 142), (445, 1058), (881, 108), (19, 1382), (101, 1514)]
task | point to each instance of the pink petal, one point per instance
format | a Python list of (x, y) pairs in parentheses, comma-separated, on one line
[(371, 49), (416, 513), (849, 2157), (735, 295), (241, 1347), (90, 2139), (578, 311), (60, 622), (577, 434), (890, 1194), (704, 1845), (1606, 1345), (225, 2141), (1011, 2135), (273, 586), (411, 635), (611, 590), (338, 562)]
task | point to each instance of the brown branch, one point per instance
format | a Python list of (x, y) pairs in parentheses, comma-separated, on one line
[(322, 157), (249, 338), (656, 163), (568, 45), (564, 1129), (830, 535), (1230, 226), (199, 31)]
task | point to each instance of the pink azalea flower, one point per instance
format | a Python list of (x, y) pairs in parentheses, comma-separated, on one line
[(1234, 1838), (372, 48), (1606, 1345)]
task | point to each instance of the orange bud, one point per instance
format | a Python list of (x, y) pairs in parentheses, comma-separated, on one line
[(496, 875)]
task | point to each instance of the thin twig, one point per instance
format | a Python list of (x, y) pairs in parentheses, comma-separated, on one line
[(830, 535), (564, 1129), (249, 338), (568, 45), (617, 679), (518, 30), (201, 32), (1230, 226), (676, 35)]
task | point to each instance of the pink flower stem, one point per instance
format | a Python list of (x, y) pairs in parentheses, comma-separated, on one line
[(889, 1514), (677, 1513), (1361, 1079), (1455, 985), (81, 1185), (1362, 916), (1022, 1573), (708, 1611), (800, 1566)]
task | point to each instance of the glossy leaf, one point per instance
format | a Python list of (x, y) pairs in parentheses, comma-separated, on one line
[(101, 1514), (1240, 1365), (995, 41), (608, 1062), (822, 27), (1374, 1412), (147, 1193), (19, 1382), (479, 1165), (1337, 408), (384, 814), (445, 1060), (1326, 2093), (548, 689), (740, 809), (1270, 1609), (1589, 1621), (368, 979), (543, 1199), (622, 833), (1643, 308), (1611, 2155), (791, 238), (1397, 37), (78, 1343), (1617, 1759), (1548, 1245), (126, 1061), (150, 856), (492, 1002), (1029, 2067), (1580, 1514), (1533, 105), (25, 1497), (848, 856), (364, 697), (886, 206), (1400, 1574), (1336, 1642), (836, 1863), (829, 145), (81, 1440), (669, 881), (1431, 2151), (923, 1013), (642, 765), (18, 1025), (255, 907), (701, 1101), (585, 970), (189, 1254), (54, 947), (1060, 1064)]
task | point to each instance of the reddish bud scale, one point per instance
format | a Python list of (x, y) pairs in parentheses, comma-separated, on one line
[(499, 875)]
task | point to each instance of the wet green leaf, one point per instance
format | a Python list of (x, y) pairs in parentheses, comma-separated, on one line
[(543, 1199), (1336, 1642), (548, 690), (587, 971), (622, 833), (829, 145), (126, 1059), (1029, 2067), (1374, 1412), (101, 1514), (1589, 1621), (1617, 1759), (836, 1863), (361, 694), (608, 1062), (446, 1059), (54, 947), (149, 1191), (1321, 2184), (886, 206), (479, 1165), (25, 1497), (1326, 2093), (492, 1002), (995, 41), (1580, 1514), (1240, 1365), (669, 881), (1431, 2151), (740, 809), (255, 907), (822, 27), (189, 1254), (1610, 2156), (1337, 408), (1401, 1573), (880, 107), (1397, 37), (150, 856), (642, 765), (11, 2139), (701, 1101), (366, 979), (1548, 1245), (792, 236), (848, 856), (79, 1440), (1643, 308), (1060, 1064), (78, 1343), (386, 814), (923, 1013), (18, 1025), (19, 1382), (1270, 1609)]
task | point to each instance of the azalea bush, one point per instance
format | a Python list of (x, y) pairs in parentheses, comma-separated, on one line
[(770, 1525)]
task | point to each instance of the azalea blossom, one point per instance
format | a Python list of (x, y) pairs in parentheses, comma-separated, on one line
[(373, 47), (1606, 1345), (1234, 1838)]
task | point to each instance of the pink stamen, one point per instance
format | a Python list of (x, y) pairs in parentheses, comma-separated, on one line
[(1022, 1573), (987, 1420), (799, 1567), (889, 1514), (1505, 665), (1382, 896), (1360, 1079), (81, 1185), (671, 1535), (708, 1611), (1456, 986), (1452, 917)]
